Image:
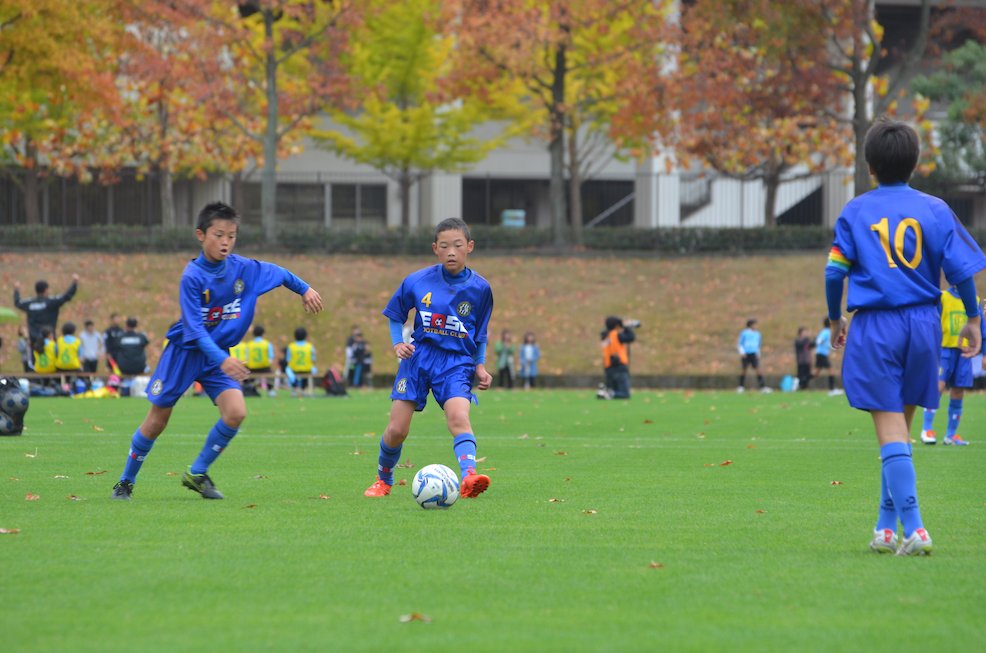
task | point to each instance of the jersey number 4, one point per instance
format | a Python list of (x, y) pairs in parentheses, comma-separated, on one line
[(882, 228)]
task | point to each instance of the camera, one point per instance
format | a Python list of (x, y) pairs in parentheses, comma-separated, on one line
[(631, 324)]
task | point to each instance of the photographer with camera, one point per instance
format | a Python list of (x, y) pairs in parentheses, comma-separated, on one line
[(616, 341)]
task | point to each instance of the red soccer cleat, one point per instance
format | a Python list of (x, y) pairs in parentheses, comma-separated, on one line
[(473, 484), (378, 489)]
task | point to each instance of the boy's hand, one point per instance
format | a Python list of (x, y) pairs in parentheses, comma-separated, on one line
[(971, 338), (235, 369), (312, 301), (842, 332), (403, 350), (484, 378)]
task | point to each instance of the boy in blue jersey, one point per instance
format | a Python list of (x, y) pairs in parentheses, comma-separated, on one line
[(893, 243), (453, 305), (954, 371), (218, 294)]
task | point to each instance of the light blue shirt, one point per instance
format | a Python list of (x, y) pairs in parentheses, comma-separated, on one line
[(749, 341), (823, 342)]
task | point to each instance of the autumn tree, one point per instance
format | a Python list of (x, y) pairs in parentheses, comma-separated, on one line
[(857, 49), (568, 56), (410, 121), (57, 76), (283, 66), (755, 93)]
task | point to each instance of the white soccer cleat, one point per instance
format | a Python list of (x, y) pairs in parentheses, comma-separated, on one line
[(929, 437), (835, 392), (740, 389), (884, 541), (918, 544), (766, 390)]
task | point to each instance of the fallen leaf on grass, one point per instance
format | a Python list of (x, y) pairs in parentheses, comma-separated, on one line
[(324, 496), (403, 481), (489, 469), (250, 505), (30, 496), (407, 465), (74, 497), (836, 483), (481, 460), (415, 616), (524, 437), (556, 501), (656, 565), (171, 473), (591, 512), (561, 453), (358, 452), (751, 446), (648, 421), (14, 478), (59, 476), (58, 421), (9, 531), (32, 455), (725, 462), (761, 511), (260, 477), (99, 429)]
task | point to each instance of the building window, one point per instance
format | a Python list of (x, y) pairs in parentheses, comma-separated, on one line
[(355, 206)]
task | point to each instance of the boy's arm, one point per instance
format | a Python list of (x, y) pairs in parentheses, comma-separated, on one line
[(401, 348), (272, 276), (483, 377), (971, 333), (70, 293)]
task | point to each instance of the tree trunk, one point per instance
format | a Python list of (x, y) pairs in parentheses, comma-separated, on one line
[(32, 209), (168, 220), (860, 125), (556, 147), (575, 185), (771, 183), (268, 177), (404, 186)]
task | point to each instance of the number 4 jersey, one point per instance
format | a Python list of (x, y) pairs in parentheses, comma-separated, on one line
[(452, 315), (894, 242)]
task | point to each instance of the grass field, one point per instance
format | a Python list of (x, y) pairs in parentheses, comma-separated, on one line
[(676, 521)]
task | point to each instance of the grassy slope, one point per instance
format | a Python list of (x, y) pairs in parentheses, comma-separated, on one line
[(692, 308), (765, 553)]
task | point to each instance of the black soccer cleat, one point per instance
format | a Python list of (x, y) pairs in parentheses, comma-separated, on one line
[(202, 484), (122, 490)]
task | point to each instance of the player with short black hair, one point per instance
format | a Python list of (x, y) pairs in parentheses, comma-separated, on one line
[(452, 305), (218, 294), (893, 243)]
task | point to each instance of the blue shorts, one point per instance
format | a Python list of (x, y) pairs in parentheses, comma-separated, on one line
[(891, 357), (446, 374), (955, 370), (178, 369)]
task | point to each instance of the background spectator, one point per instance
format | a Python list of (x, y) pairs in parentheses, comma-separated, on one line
[(92, 349), (111, 340), (131, 355), (25, 349), (361, 361), (42, 310), (505, 350), (803, 344), (530, 354)]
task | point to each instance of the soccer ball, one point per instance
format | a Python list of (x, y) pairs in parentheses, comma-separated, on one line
[(435, 486)]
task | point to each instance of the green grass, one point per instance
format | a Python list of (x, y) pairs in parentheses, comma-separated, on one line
[(767, 553)]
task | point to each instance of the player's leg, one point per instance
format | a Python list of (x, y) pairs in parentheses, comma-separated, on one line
[(892, 433), (928, 435), (954, 417), (398, 427), (228, 397), (464, 446), (140, 446), (744, 363)]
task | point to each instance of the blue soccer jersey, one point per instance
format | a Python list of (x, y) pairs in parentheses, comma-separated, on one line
[(451, 317), (218, 300), (894, 242)]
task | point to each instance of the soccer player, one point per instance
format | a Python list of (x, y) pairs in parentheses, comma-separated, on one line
[(955, 370), (452, 306), (42, 310), (893, 243), (748, 346), (218, 294)]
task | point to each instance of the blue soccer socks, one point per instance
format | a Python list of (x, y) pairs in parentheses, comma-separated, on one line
[(954, 417), (929, 419), (464, 446), (887, 517), (217, 440), (901, 483), (139, 448), (387, 461)]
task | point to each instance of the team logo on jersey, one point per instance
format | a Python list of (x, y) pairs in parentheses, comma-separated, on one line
[(238, 286), (211, 315), (444, 325), (463, 309), (402, 386), (156, 387)]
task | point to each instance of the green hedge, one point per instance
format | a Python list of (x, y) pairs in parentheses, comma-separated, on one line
[(393, 241)]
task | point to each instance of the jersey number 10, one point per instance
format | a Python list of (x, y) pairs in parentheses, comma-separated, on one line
[(882, 228)]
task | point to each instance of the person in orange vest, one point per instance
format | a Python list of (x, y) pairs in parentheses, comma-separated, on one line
[(616, 341)]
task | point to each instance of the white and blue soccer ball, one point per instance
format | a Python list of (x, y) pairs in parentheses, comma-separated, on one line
[(435, 486)]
